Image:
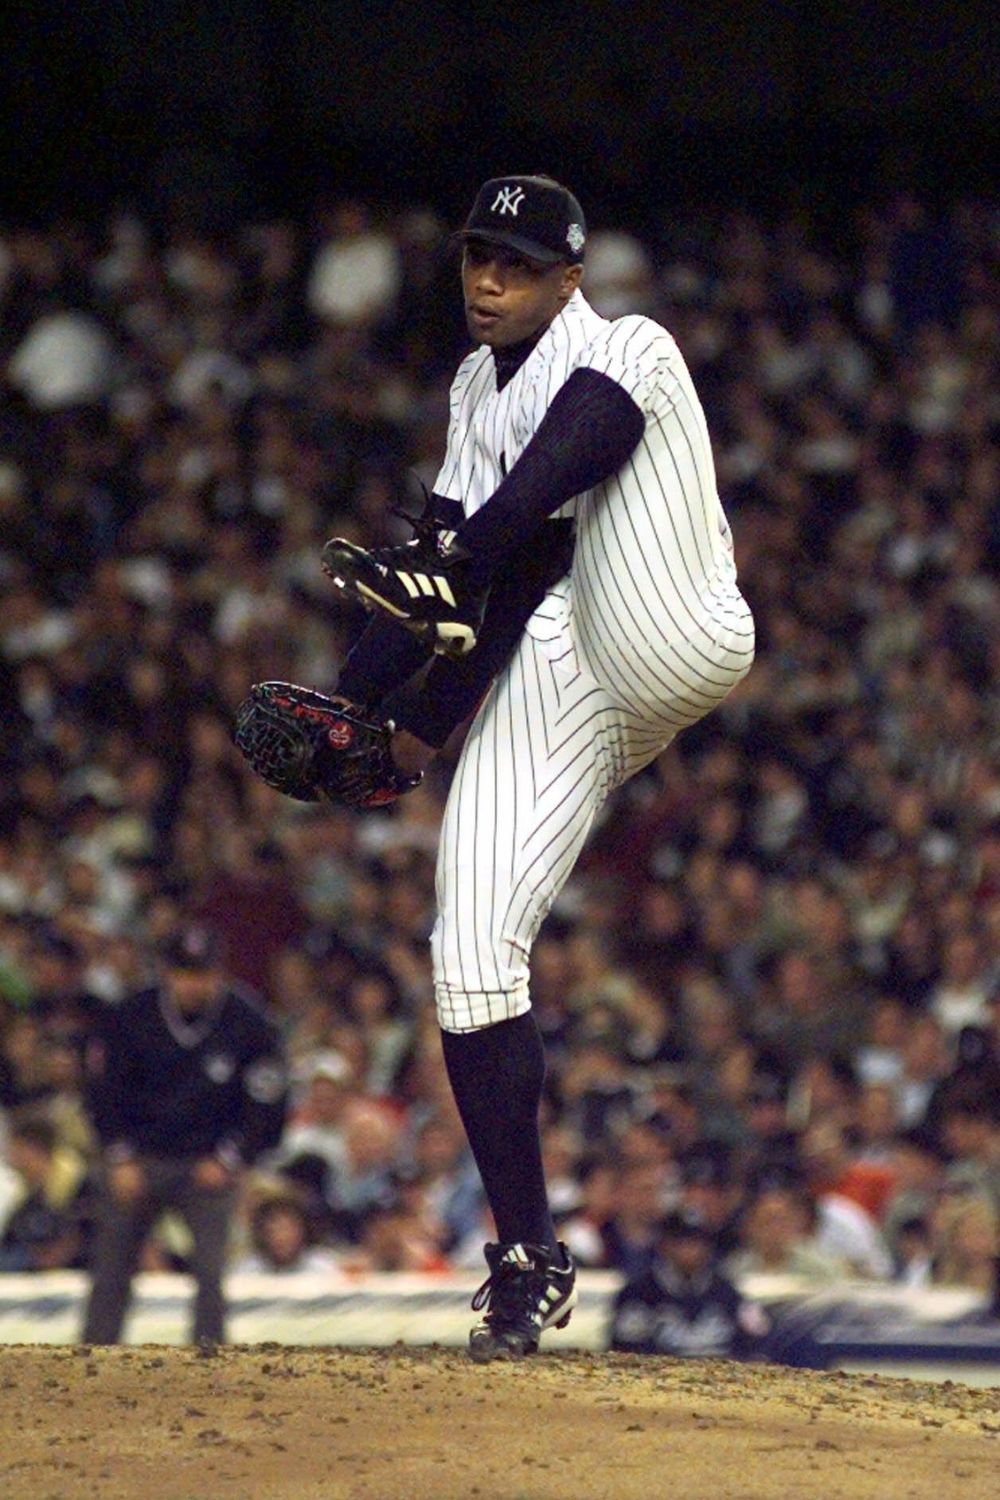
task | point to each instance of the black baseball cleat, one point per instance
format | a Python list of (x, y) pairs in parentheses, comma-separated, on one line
[(424, 585), (523, 1295)]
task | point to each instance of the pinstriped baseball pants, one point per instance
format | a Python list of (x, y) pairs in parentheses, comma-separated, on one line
[(563, 725), (547, 746)]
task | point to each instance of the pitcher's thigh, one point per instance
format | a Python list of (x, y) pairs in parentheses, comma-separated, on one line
[(545, 749)]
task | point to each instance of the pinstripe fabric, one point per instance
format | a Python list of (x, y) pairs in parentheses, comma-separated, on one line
[(546, 748), (647, 635), (486, 426), (657, 608)]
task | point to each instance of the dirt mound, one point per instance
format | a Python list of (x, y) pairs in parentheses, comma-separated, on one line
[(259, 1424)]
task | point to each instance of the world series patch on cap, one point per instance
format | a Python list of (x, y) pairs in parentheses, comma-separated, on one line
[(535, 216)]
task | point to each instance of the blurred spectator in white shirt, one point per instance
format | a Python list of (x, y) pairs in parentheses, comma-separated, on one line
[(318, 1127), (777, 1239), (846, 1232), (65, 359), (880, 1059), (356, 274), (962, 996), (619, 278), (925, 1063), (845, 1228)]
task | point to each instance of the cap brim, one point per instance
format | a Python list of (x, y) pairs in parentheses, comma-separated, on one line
[(541, 253)]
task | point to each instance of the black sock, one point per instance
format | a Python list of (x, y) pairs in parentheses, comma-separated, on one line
[(497, 1076)]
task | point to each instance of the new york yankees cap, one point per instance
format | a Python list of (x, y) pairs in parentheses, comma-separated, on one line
[(536, 216), (685, 1224)]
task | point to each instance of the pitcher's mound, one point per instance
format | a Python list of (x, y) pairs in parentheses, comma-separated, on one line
[(259, 1424)]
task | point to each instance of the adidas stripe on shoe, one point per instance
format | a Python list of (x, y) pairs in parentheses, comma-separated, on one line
[(422, 585)]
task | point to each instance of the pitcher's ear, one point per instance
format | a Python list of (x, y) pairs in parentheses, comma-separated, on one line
[(572, 276)]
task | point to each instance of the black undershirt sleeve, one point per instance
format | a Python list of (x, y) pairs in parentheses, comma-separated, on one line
[(591, 428)]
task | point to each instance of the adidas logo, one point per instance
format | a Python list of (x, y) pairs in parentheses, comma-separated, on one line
[(416, 584), (518, 1256)]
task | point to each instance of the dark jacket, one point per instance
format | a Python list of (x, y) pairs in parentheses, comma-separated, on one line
[(161, 1085), (662, 1312)]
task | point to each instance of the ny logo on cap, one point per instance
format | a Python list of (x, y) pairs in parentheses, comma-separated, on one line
[(507, 200)]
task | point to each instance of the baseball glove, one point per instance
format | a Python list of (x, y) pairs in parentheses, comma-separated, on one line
[(309, 746)]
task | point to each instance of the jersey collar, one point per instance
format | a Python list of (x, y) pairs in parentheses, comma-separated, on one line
[(507, 362), (187, 1033)]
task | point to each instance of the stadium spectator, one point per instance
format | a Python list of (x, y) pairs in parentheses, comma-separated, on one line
[(710, 1190), (356, 273), (876, 1123), (629, 1234), (965, 1236), (450, 1190), (777, 1239), (969, 1117), (316, 1129), (583, 1231), (961, 995), (913, 1263), (364, 1182), (409, 1234), (918, 1160), (373, 1005), (282, 1239), (681, 1305), (925, 1064), (46, 1222), (835, 1170), (849, 1202)]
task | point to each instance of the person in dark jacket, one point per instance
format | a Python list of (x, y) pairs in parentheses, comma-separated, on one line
[(186, 1086), (46, 1229), (682, 1305)]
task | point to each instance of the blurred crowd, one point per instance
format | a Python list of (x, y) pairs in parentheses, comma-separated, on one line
[(770, 992)]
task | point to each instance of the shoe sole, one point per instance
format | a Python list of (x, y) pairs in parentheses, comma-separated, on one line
[(446, 638), (485, 1351)]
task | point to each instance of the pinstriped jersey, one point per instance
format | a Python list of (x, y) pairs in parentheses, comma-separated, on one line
[(489, 429), (654, 604)]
